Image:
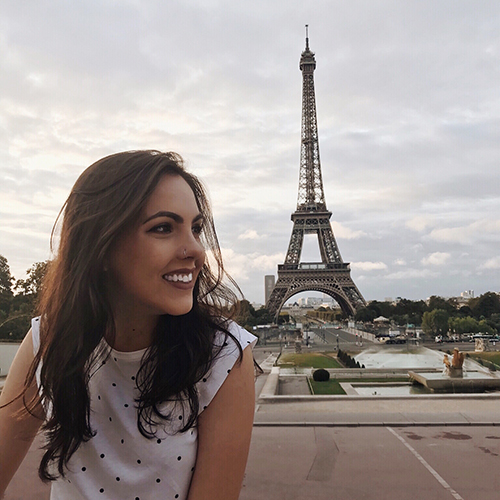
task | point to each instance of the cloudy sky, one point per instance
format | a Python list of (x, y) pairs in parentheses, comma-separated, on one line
[(408, 111)]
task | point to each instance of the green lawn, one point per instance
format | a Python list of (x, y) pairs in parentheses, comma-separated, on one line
[(309, 360), (332, 386), (494, 357)]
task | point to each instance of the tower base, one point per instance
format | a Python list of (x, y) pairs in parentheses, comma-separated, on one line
[(333, 279)]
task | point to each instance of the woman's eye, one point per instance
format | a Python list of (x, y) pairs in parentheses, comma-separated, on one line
[(198, 229), (162, 229)]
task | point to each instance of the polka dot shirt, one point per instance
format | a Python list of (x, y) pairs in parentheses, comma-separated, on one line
[(120, 463)]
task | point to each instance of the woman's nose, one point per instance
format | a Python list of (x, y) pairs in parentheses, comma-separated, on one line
[(192, 248)]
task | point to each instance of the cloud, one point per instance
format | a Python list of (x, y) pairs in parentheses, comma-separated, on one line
[(493, 263), (368, 266), (250, 234), (240, 266), (411, 274), (409, 161), (344, 233), (436, 259), (418, 223), (466, 235)]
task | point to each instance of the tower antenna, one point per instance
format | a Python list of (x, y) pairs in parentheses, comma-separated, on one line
[(307, 37)]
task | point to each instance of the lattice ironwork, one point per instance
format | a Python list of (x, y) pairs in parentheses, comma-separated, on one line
[(331, 276), (311, 195)]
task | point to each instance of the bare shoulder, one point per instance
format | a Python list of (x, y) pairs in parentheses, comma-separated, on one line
[(224, 431), (17, 428)]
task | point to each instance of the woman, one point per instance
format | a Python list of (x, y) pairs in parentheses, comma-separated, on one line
[(142, 385)]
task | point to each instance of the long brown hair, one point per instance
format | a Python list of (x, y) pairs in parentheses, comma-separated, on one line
[(76, 314)]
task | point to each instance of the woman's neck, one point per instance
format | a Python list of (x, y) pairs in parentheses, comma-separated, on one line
[(133, 333)]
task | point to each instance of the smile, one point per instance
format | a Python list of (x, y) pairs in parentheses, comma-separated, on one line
[(184, 278)]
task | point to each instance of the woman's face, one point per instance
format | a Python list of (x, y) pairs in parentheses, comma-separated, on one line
[(153, 266)]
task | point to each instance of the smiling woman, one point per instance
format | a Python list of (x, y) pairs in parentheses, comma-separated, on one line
[(134, 371)]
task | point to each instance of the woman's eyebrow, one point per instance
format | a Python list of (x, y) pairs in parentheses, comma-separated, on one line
[(172, 215)]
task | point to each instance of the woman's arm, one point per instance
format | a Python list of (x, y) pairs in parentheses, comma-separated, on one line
[(17, 428), (224, 431)]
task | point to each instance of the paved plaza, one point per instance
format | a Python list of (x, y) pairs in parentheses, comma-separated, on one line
[(359, 449)]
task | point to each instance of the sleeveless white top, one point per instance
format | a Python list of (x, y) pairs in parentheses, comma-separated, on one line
[(119, 463)]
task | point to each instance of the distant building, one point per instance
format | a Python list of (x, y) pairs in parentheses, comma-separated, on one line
[(269, 281), (468, 294), (314, 301)]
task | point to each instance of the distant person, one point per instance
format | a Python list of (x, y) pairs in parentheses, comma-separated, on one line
[(142, 385)]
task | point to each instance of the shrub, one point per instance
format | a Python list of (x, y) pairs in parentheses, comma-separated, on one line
[(321, 375)]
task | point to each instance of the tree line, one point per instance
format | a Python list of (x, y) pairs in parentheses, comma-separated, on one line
[(439, 316), (18, 299)]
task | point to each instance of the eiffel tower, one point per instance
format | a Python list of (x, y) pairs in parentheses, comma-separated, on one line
[(331, 276)]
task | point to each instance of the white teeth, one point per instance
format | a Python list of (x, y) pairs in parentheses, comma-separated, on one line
[(186, 278)]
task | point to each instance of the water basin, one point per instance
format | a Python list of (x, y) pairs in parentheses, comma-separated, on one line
[(412, 358), (389, 390)]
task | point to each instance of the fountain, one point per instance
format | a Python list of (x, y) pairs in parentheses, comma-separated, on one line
[(455, 368), (425, 369), (454, 379)]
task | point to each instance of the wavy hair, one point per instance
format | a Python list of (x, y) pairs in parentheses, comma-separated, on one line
[(76, 314)]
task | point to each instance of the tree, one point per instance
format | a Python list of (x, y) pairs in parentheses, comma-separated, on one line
[(33, 283), (436, 302), (263, 316), (23, 303), (440, 320), (485, 305), (5, 286), (463, 325), (435, 322), (365, 314), (427, 323), (484, 327), (382, 308)]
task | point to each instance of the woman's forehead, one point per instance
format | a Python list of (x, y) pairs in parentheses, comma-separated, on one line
[(172, 191)]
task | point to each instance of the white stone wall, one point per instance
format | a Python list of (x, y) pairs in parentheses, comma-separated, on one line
[(7, 352)]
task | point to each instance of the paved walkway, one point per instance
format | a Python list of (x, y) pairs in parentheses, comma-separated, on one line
[(417, 448), (366, 411)]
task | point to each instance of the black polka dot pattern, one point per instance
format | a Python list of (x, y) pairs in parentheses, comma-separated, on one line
[(113, 402)]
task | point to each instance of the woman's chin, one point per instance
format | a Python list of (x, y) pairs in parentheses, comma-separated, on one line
[(179, 309)]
